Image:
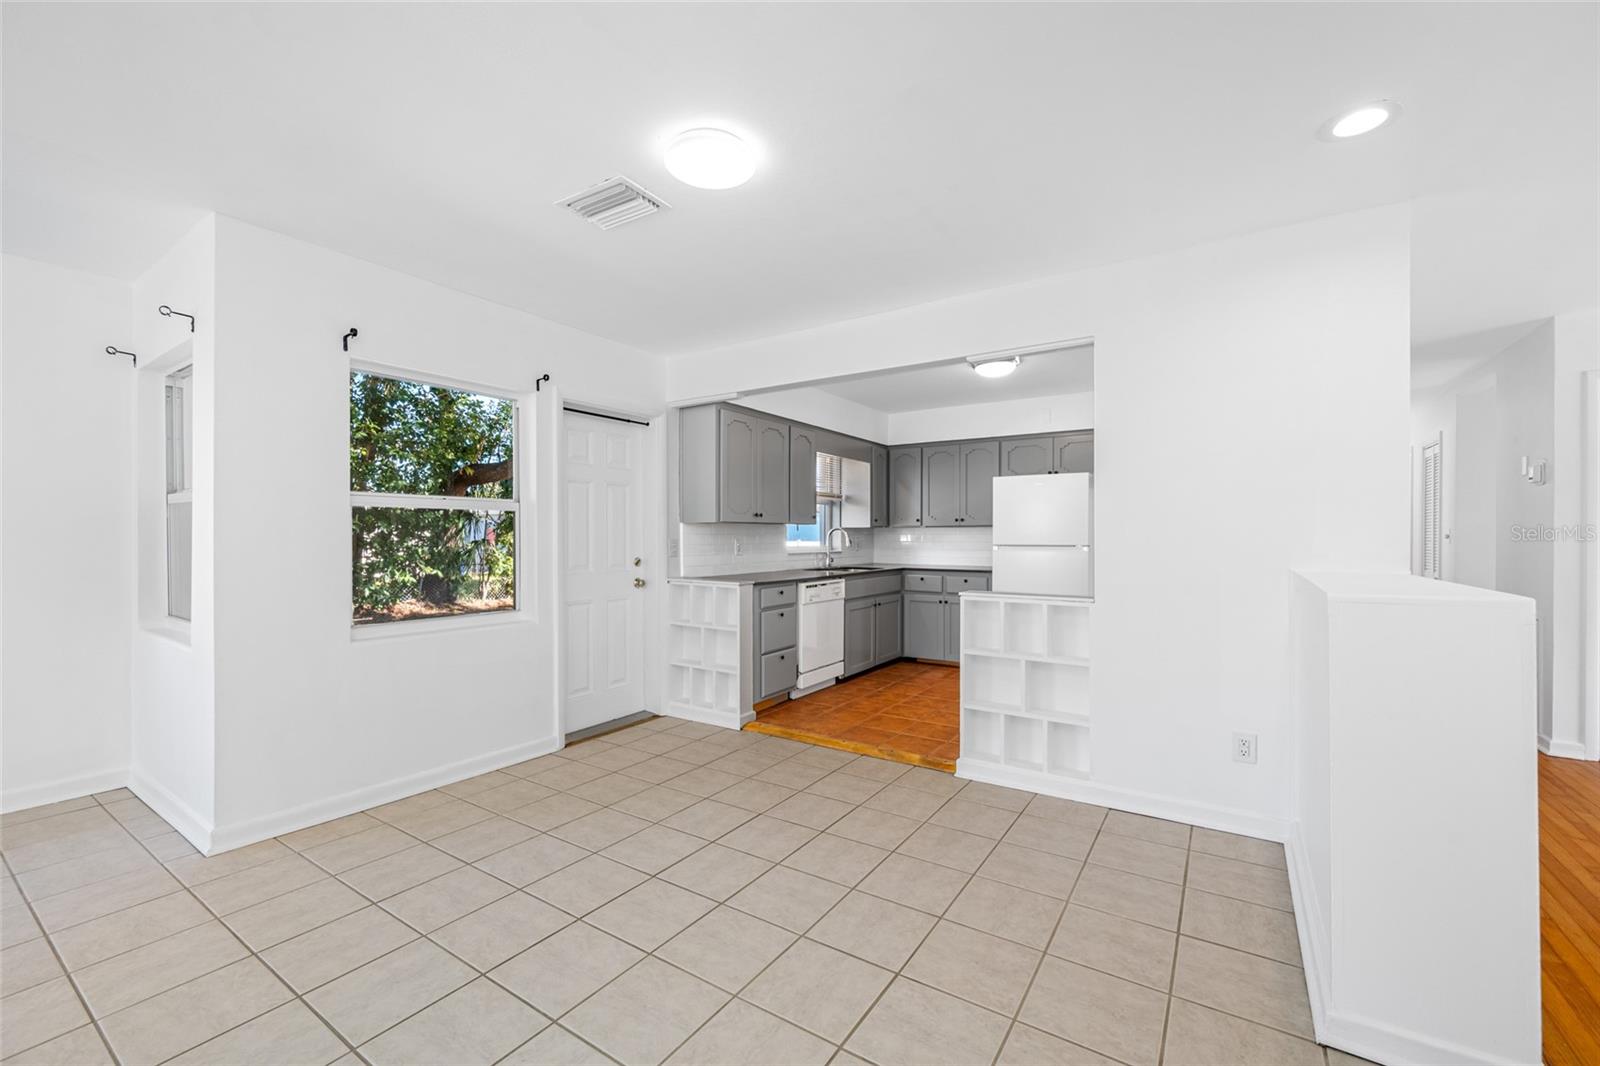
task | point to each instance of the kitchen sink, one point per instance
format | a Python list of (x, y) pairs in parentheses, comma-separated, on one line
[(830, 571)]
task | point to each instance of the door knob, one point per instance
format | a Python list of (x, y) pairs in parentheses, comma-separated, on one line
[(638, 582)]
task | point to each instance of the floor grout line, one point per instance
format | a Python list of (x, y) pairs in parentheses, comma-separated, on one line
[(748, 762)]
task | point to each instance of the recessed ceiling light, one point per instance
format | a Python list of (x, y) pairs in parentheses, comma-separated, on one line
[(1363, 119), (997, 368), (710, 158)]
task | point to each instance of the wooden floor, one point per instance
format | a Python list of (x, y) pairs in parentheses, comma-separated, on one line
[(907, 711), (1569, 890)]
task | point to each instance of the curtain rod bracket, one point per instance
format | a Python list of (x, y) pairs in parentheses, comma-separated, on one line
[(540, 381), (110, 350), (170, 313), (353, 333)]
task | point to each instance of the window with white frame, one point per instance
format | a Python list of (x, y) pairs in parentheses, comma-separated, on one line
[(180, 491), (830, 491), (433, 500)]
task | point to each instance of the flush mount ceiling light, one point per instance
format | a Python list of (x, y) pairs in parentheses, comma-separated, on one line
[(1363, 119), (709, 158), (996, 368)]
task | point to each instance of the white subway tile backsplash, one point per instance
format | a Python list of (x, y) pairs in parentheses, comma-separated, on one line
[(708, 550)]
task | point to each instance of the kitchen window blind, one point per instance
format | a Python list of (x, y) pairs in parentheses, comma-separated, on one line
[(830, 477)]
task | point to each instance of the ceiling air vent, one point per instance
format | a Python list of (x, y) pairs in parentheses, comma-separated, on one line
[(613, 202)]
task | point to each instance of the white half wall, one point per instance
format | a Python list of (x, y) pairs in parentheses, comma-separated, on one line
[(311, 720), (1251, 415), (65, 568)]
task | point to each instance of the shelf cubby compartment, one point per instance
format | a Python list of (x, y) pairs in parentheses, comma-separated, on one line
[(687, 644), (1068, 630), (1068, 749), (1057, 690), (982, 735), (981, 624), (992, 682), (722, 648), (1025, 743), (1025, 632)]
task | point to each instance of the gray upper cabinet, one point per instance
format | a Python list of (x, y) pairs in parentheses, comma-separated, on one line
[(958, 483), (905, 486), (1026, 455), (880, 486), (802, 475), (941, 485), (772, 466), (980, 463), (1074, 453), (733, 466)]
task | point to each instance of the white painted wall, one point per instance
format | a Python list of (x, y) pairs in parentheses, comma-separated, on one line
[(1394, 856), (1250, 415), (1005, 418), (1573, 731), (174, 680), (818, 407), (311, 722), (64, 564)]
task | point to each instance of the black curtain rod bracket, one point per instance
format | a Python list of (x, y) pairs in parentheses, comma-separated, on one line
[(540, 381), (118, 351), (170, 313), (353, 333)]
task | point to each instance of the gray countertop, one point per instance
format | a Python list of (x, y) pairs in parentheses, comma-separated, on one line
[(767, 577)]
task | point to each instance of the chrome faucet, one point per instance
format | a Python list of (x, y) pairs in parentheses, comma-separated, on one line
[(827, 558)]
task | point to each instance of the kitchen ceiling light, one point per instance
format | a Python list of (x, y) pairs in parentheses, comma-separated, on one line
[(710, 158), (997, 368), (1363, 119)]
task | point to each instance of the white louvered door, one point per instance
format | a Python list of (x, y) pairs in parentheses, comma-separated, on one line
[(1432, 514)]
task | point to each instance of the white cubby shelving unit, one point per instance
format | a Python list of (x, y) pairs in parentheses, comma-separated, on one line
[(705, 652), (1024, 688)]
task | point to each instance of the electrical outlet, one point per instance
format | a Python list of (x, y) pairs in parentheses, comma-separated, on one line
[(1244, 748), (738, 547), (672, 548)]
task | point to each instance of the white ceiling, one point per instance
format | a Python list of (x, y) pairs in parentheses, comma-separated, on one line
[(955, 384), (911, 152)]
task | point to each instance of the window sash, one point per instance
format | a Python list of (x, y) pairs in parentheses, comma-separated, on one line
[(419, 502)]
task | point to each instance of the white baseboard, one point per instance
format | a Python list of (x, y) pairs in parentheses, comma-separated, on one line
[(62, 788), (1136, 801), (1562, 749), (1314, 951), (238, 834), (723, 719), (174, 811)]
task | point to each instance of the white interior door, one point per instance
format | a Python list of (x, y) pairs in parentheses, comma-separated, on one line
[(602, 549)]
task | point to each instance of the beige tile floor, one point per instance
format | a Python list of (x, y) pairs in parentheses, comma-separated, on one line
[(670, 892)]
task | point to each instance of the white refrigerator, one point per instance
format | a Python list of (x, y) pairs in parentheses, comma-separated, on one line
[(1044, 534)]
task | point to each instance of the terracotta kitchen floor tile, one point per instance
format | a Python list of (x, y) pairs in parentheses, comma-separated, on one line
[(907, 711)]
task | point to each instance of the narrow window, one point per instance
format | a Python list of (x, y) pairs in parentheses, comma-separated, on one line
[(433, 498), (180, 490)]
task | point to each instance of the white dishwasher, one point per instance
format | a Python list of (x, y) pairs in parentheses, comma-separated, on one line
[(821, 634)]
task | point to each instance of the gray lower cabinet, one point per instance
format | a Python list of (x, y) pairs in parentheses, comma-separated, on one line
[(886, 626), (905, 486), (924, 625), (779, 671), (860, 631), (802, 475), (779, 629), (932, 626), (871, 632), (880, 486)]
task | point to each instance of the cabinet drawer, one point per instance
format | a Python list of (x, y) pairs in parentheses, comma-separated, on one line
[(779, 670), (871, 585), (778, 596), (966, 582), (779, 627), (917, 581)]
